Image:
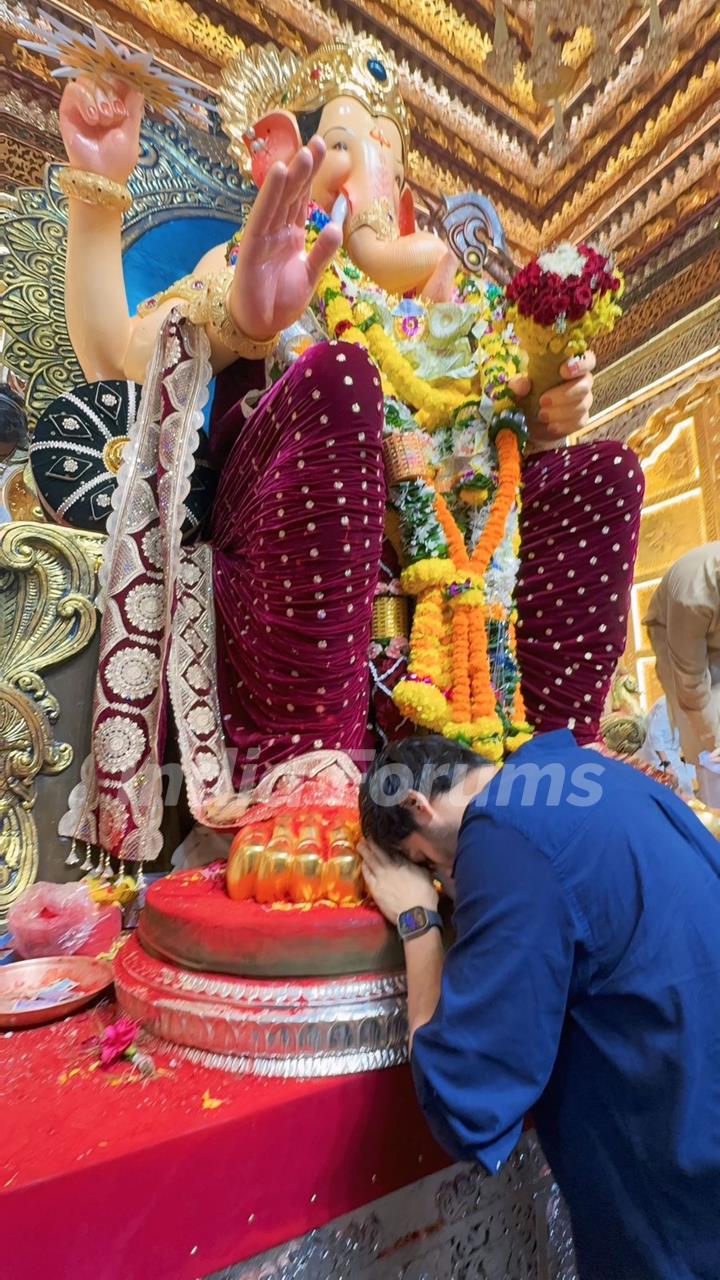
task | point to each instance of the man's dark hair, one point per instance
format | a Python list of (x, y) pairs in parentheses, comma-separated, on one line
[(13, 422), (430, 765)]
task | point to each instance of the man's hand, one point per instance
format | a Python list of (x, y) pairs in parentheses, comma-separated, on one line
[(396, 886), (564, 409)]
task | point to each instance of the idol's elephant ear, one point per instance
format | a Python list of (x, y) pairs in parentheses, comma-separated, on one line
[(275, 137), (186, 199)]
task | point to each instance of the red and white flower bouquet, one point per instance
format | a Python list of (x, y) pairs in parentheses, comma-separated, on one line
[(558, 304)]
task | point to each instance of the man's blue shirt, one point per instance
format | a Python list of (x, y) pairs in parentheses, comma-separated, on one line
[(584, 986)]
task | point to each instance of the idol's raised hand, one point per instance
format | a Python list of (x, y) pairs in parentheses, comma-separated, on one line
[(100, 126), (274, 277)]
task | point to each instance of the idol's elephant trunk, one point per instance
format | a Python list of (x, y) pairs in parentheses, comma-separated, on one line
[(399, 265), (379, 223)]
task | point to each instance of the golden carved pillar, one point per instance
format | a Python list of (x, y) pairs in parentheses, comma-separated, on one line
[(679, 449), (48, 582)]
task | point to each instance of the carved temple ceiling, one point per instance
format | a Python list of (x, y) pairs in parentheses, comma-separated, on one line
[(632, 163)]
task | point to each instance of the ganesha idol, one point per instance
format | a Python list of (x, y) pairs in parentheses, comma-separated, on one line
[(370, 458)]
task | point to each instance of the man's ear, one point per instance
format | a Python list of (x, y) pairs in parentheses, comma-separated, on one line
[(276, 137), (422, 810)]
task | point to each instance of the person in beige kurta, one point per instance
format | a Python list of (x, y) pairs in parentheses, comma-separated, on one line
[(683, 623)]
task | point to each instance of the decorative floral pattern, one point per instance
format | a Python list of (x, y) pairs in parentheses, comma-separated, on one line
[(151, 544), (144, 607), (201, 720), (133, 673), (119, 744)]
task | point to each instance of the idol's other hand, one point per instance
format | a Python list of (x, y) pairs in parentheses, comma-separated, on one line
[(395, 885), (100, 126), (275, 278), (564, 409)]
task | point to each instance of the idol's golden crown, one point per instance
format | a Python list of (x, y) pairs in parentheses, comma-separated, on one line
[(264, 78)]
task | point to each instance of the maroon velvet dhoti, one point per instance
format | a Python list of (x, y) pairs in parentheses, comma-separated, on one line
[(297, 535), (579, 525)]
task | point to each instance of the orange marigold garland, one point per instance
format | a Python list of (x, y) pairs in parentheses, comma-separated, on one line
[(472, 710)]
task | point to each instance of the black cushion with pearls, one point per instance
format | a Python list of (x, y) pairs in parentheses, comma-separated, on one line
[(76, 452)]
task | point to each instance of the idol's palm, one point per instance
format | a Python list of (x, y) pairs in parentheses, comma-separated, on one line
[(275, 278)]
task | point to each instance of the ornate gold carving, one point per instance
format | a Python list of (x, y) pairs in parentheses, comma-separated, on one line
[(33, 272), (700, 89), (653, 316), (390, 617), (33, 110), (18, 494), (47, 585), (195, 31), (616, 104), (20, 165), (668, 531), (451, 30), (94, 188), (173, 19), (669, 454), (425, 173), (428, 128), (624, 727)]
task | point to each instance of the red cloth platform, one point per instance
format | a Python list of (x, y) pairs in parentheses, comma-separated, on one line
[(106, 1177)]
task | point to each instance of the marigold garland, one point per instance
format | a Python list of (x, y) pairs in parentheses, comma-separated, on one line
[(471, 715)]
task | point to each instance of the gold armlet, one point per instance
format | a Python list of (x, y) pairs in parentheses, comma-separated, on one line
[(379, 217), (222, 322), (93, 188), (390, 617)]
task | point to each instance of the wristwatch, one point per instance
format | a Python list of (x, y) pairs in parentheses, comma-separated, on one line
[(418, 921)]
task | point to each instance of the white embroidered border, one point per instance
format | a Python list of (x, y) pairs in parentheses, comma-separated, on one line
[(93, 815), (192, 683)]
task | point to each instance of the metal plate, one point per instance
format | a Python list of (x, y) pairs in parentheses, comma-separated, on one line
[(21, 981)]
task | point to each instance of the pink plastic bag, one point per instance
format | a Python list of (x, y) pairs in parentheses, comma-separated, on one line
[(52, 920)]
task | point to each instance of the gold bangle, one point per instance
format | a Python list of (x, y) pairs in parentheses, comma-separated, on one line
[(379, 217), (93, 188), (222, 322)]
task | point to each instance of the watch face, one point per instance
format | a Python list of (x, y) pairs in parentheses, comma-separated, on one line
[(410, 921)]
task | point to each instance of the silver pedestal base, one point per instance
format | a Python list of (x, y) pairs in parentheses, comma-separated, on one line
[(460, 1224)]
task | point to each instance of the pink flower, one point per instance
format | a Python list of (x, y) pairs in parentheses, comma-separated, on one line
[(116, 1040)]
